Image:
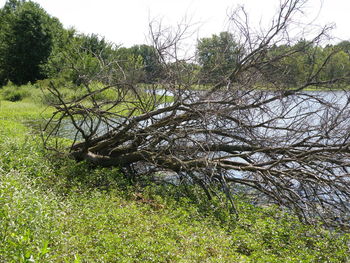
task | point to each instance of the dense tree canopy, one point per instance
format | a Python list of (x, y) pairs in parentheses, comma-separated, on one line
[(34, 45), (217, 55), (27, 36), (81, 53), (150, 60)]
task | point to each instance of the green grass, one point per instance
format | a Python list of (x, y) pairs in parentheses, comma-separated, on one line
[(55, 210)]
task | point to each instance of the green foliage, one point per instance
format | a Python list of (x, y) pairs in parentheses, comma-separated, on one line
[(59, 57), (218, 56), (26, 41), (34, 45), (132, 65), (291, 64), (39, 93), (30, 92), (305, 61), (96, 46), (339, 63), (55, 210), (78, 58), (293, 69), (14, 93), (151, 62)]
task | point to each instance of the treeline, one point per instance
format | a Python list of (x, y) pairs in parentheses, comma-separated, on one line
[(35, 46), (292, 64)]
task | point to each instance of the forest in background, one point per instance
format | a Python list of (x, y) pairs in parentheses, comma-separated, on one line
[(35, 46)]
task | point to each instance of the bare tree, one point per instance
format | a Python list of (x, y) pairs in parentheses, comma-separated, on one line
[(249, 128)]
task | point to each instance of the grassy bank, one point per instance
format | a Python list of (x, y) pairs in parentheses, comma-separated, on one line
[(54, 210)]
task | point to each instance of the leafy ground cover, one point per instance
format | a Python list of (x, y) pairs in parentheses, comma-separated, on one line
[(54, 210)]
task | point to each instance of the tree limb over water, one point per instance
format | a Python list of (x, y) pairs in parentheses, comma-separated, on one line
[(249, 128)]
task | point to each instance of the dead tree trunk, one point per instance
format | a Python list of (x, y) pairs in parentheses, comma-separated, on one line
[(250, 128)]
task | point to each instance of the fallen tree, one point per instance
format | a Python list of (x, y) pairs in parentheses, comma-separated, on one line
[(249, 128)]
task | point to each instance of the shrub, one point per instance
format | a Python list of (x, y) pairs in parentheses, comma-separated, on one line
[(13, 93)]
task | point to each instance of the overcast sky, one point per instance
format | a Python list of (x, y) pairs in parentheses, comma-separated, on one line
[(126, 21)]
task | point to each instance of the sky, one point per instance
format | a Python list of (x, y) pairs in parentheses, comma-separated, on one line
[(125, 22)]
